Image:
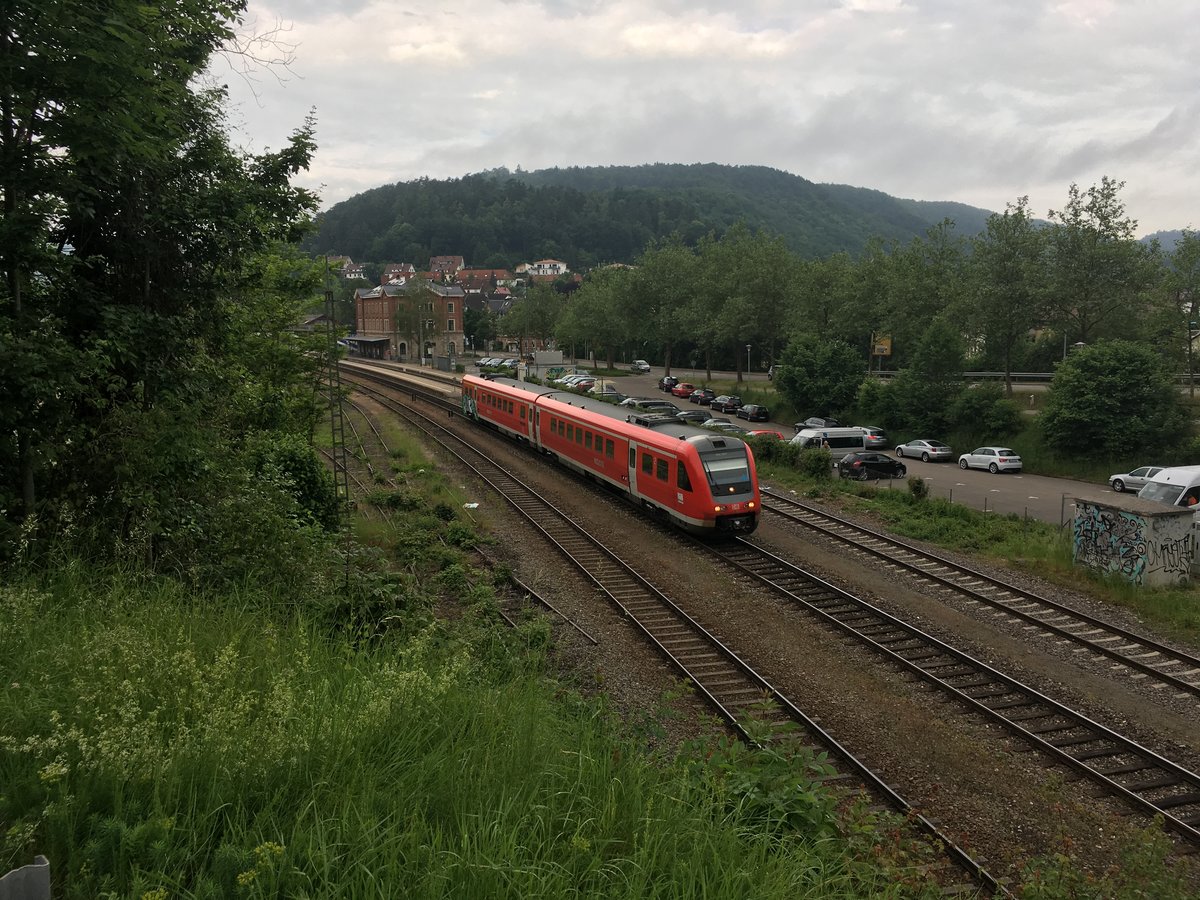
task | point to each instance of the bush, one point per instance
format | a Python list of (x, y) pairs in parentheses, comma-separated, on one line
[(876, 403), (815, 463), (985, 409), (918, 487), (1112, 400)]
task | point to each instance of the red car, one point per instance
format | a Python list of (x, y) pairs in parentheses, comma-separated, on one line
[(683, 389), (766, 432)]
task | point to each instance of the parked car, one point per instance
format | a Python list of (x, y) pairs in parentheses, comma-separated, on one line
[(771, 373), (818, 422), (869, 464), (667, 382), (1133, 481), (766, 432), (683, 389), (926, 451), (485, 362), (640, 365), (634, 401), (693, 416), (753, 412), (725, 403), (703, 396), (994, 459), (715, 420), (876, 437)]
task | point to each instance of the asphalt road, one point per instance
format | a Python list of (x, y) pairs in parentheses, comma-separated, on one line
[(1036, 496)]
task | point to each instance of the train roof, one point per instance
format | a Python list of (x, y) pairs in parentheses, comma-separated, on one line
[(665, 424)]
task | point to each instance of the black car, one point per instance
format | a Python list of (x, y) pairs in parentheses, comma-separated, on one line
[(754, 412), (864, 465), (726, 403), (667, 382), (703, 396), (818, 422)]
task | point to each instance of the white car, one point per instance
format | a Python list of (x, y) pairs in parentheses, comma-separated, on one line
[(640, 365), (994, 459), (1133, 481)]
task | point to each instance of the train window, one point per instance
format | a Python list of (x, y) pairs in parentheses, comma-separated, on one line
[(587, 441), (522, 412), (728, 472), (579, 436), (570, 432), (681, 477), (610, 449), (663, 470), (647, 463), (632, 458)]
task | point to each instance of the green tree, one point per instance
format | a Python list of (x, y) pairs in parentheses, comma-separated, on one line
[(925, 392), (535, 315), (1007, 274), (820, 376), (1112, 400), (479, 327), (1098, 273), (120, 186), (596, 313), (661, 287)]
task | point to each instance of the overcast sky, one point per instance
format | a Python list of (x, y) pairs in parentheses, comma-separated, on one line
[(979, 101)]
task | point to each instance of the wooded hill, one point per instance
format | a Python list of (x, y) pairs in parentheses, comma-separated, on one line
[(586, 216)]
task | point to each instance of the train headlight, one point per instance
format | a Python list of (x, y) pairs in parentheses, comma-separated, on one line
[(750, 505), (718, 508)]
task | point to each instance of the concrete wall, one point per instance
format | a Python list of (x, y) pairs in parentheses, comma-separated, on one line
[(1152, 546)]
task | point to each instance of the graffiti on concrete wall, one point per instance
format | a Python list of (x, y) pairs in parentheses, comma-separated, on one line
[(1110, 540), (1138, 548)]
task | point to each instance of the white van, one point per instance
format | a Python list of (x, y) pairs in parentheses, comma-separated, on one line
[(842, 441), (1178, 486)]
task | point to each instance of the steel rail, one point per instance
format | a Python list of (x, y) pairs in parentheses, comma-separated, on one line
[(1142, 778), (738, 693), (1173, 667)]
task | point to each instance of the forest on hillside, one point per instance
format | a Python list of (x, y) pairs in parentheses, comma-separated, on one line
[(596, 215)]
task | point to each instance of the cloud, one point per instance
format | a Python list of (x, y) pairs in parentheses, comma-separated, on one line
[(940, 99)]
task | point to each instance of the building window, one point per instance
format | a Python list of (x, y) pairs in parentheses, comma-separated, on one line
[(450, 325), (450, 310)]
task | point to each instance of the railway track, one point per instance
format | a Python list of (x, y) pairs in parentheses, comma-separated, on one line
[(739, 694), (1137, 775), (1135, 655)]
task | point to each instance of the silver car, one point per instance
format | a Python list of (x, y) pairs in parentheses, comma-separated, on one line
[(1133, 481), (994, 459), (876, 438), (926, 451)]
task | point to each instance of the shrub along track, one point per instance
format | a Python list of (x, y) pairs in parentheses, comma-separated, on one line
[(739, 694), (1009, 830)]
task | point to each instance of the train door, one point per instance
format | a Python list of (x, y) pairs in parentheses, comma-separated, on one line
[(633, 451)]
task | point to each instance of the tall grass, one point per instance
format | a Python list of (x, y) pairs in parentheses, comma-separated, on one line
[(156, 744)]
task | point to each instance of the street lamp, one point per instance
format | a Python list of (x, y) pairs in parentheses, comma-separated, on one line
[(747, 359)]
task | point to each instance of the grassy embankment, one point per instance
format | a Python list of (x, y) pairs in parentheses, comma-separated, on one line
[(158, 741)]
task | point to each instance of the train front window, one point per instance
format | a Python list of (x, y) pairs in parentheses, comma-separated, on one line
[(728, 472)]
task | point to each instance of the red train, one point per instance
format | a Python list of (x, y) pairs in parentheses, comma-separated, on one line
[(703, 481)]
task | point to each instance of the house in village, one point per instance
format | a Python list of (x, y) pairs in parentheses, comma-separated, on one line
[(444, 268), (397, 273), (408, 322)]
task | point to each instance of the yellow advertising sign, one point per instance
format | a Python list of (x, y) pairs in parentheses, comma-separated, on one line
[(881, 345)]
